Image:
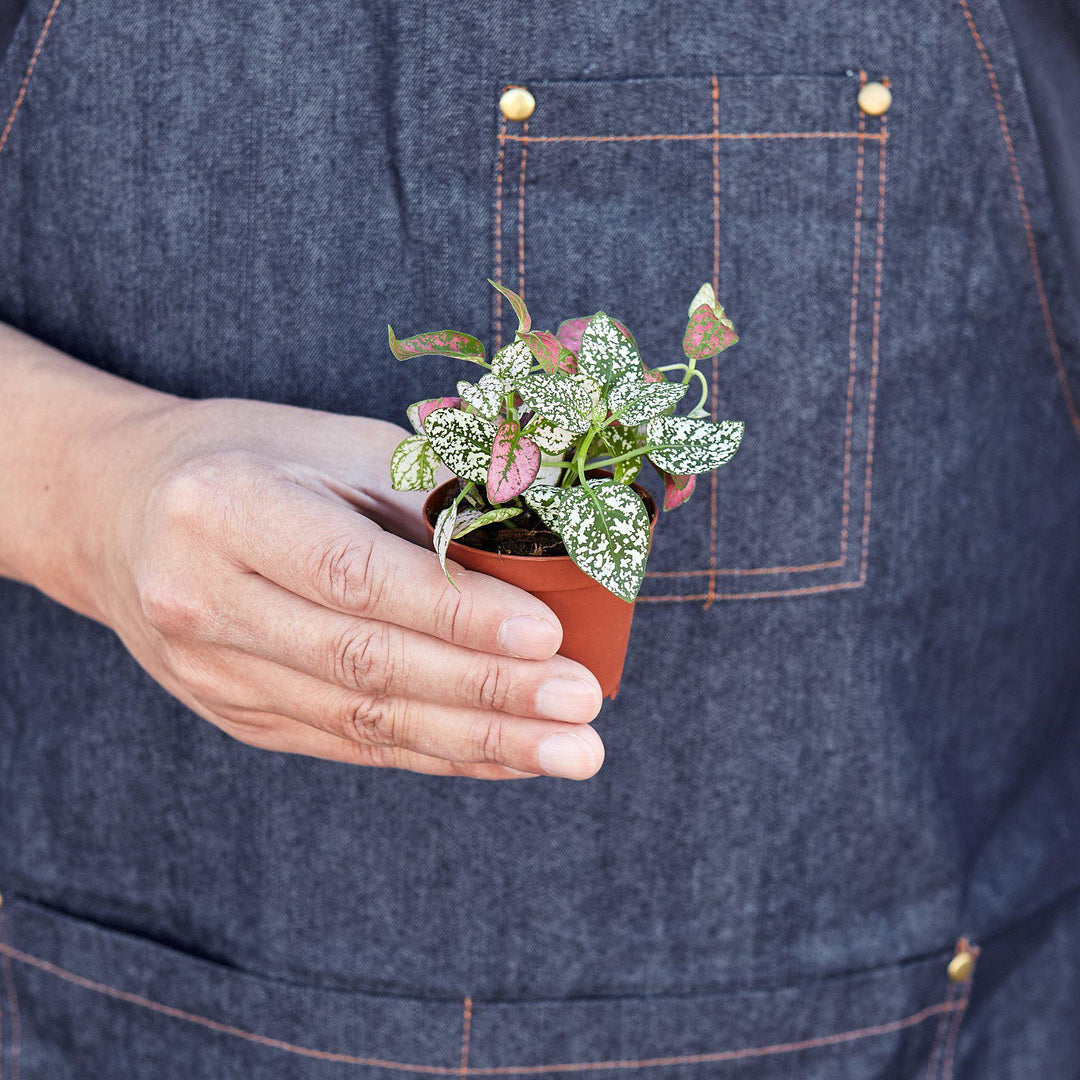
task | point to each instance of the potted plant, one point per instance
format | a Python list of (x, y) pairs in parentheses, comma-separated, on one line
[(545, 446)]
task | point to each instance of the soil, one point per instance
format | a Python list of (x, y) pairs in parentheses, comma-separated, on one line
[(525, 534)]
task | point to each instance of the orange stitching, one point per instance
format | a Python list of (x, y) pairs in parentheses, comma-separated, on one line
[(874, 358), (749, 572), (1021, 198), (939, 1035), (740, 135), (852, 339), (716, 292), (29, 73), (13, 1007), (521, 216), (498, 233), (807, 590), (466, 1024), (496, 1070)]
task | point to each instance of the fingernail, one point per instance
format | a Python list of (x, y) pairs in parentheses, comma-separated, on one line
[(568, 755), (568, 699), (529, 636)]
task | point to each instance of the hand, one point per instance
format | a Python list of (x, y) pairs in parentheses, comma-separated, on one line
[(254, 560)]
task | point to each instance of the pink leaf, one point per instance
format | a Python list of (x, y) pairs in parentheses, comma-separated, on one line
[(653, 376), (436, 342), (517, 303), (706, 335), (550, 352), (515, 461), (570, 331), (426, 408), (677, 489)]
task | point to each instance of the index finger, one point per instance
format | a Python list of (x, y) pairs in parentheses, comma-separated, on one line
[(322, 550)]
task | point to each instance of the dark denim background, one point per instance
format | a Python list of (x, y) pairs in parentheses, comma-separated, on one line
[(811, 790)]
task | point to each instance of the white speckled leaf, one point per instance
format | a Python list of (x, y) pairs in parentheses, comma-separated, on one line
[(549, 437), (561, 399), (693, 446), (468, 520), (414, 465), (512, 361), (634, 401), (605, 528), (463, 442), (486, 396), (444, 529), (606, 352)]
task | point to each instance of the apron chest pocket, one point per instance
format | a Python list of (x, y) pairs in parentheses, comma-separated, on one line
[(625, 195)]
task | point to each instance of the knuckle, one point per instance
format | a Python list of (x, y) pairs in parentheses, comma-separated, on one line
[(171, 606), (372, 720), (364, 659), (492, 738), (492, 685), (348, 573), (452, 613)]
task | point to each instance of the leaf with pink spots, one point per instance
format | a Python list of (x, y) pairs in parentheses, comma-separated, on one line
[(515, 461), (677, 489), (517, 303), (551, 353), (707, 334), (419, 411), (437, 343)]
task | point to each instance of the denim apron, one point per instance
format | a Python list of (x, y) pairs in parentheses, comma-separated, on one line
[(849, 730)]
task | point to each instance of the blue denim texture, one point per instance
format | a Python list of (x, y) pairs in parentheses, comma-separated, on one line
[(849, 729)]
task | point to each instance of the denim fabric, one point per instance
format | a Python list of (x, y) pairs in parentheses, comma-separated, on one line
[(849, 729)]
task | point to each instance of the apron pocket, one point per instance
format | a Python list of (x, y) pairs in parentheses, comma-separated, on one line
[(83, 1000), (626, 195)]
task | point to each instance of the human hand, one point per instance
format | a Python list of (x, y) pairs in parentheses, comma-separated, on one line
[(252, 557)]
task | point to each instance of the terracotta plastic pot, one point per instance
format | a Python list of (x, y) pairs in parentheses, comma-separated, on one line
[(595, 622)]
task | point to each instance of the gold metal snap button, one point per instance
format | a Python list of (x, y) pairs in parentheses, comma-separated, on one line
[(517, 103), (875, 98), (962, 966)]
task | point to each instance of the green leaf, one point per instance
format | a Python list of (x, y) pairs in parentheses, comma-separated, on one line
[(551, 353), (689, 445), (512, 361), (517, 303), (486, 396), (634, 401), (414, 465), (548, 436), (618, 440), (444, 529), (605, 528), (565, 401), (469, 520), (463, 442), (437, 343), (606, 352)]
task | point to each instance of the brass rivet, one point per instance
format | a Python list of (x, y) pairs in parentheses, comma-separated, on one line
[(962, 966), (517, 103), (875, 99)]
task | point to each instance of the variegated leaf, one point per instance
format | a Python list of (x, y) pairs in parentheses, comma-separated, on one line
[(604, 527), (692, 446), (515, 461), (437, 343), (551, 353), (444, 530), (677, 489), (618, 440), (512, 361), (607, 354), (418, 411), (561, 399), (485, 396), (463, 442), (549, 437), (634, 401), (706, 297), (548, 475), (707, 334), (570, 331), (414, 466), (470, 520), (517, 303)]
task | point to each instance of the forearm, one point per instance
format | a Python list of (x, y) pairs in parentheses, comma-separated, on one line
[(57, 418)]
